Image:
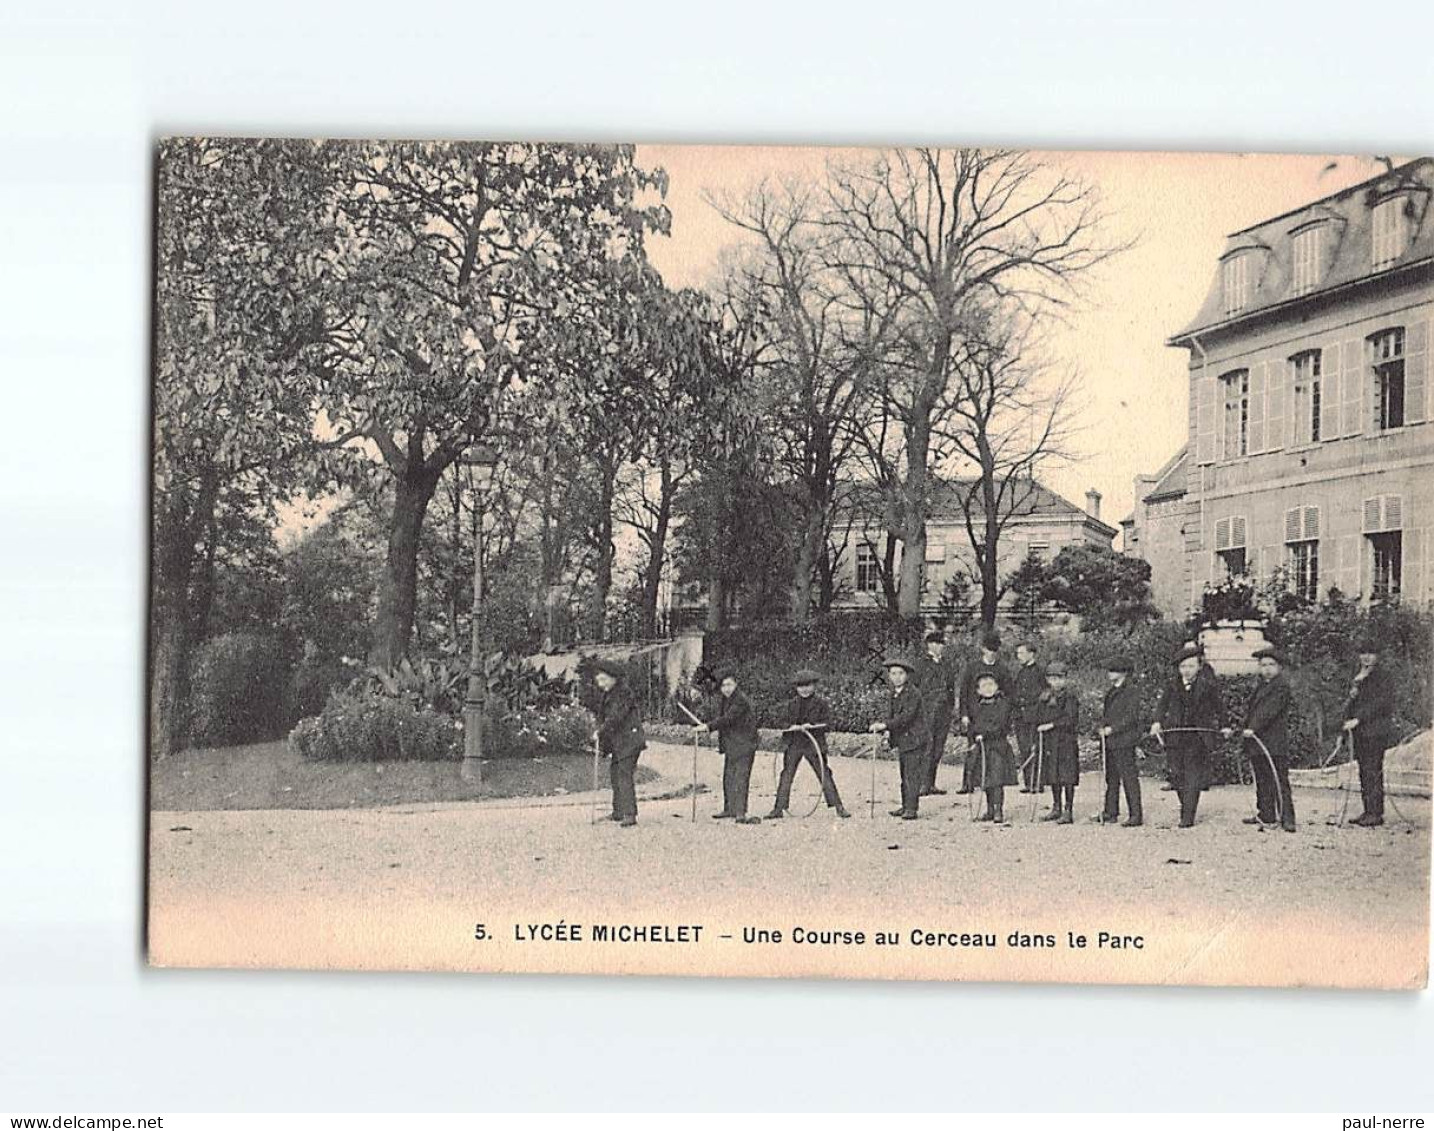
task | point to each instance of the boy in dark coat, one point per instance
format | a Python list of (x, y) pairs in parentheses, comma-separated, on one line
[(1267, 720), (1369, 724), (1057, 726), (1027, 687), (937, 680), (1190, 709), (620, 737), (736, 727), (991, 735), (908, 733), (989, 664), (805, 719), (1120, 728)]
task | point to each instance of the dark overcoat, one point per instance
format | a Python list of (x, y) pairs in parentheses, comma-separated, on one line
[(735, 725), (991, 730), (1268, 715), (619, 717), (907, 728), (1060, 755)]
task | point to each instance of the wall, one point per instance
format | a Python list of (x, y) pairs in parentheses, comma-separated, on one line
[(1350, 463)]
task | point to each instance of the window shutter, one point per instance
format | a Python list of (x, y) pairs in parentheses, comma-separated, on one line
[(1372, 516), (1311, 524), (1257, 407), (1237, 532), (1353, 385), (1329, 393), (1383, 513), (1293, 524), (1203, 390), (1276, 397), (1416, 373), (1222, 534)]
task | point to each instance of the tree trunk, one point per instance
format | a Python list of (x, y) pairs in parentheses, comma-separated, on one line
[(398, 586), (657, 550), (172, 630), (913, 520), (716, 604), (990, 581), (602, 568)]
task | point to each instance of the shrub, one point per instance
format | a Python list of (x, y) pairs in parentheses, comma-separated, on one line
[(239, 690), (359, 725), (533, 733)]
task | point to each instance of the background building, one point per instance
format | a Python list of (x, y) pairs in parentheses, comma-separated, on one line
[(1309, 434), (1040, 523), (1155, 533)]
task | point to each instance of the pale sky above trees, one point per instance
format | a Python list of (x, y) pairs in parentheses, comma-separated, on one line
[(1176, 207)]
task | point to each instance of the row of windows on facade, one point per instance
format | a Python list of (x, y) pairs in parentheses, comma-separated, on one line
[(1385, 353), (1382, 526), (868, 566), (1389, 238)]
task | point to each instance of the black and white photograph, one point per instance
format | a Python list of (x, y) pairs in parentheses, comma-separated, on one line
[(927, 563)]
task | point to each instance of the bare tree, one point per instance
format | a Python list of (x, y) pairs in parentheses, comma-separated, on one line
[(818, 361), (1007, 418), (932, 241)]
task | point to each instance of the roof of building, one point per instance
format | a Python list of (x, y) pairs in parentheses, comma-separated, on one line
[(1347, 217), (1035, 500), (1169, 480)]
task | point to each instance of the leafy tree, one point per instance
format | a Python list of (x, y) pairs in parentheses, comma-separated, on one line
[(463, 268), (236, 326), (1027, 583), (1104, 588)]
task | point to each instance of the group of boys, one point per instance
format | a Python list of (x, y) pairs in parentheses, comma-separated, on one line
[(1034, 705)]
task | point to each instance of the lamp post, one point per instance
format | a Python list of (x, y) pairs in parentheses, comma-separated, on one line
[(481, 461)]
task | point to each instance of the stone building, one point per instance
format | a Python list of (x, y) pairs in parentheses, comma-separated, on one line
[(1041, 523), (1309, 409), (1155, 533)]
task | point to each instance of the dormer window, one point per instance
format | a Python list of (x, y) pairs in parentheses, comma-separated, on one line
[(1308, 258), (1235, 283), (1391, 229)]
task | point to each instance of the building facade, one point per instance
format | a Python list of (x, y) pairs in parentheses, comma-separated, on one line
[(1041, 523), (1155, 533), (1310, 447)]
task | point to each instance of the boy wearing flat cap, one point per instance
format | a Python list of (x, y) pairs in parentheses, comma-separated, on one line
[(1057, 726), (907, 732), (806, 717), (1188, 727), (937, 680), (620, 737), (1369, 724), (1027, 687), (736, 725), (990, 664), (1120, 728), (1267, 743), (991, 734)]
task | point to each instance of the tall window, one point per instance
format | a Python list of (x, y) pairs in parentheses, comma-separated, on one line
[(1230, 545), (1391, 231), (1302, 551), (1388, 576), (1236, 284), (1307, 256), (1386, 355), (1303, 566), (1236, 436), (1305, 380), (868, 572)]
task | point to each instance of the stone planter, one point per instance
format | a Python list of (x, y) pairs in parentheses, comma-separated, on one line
[(1230, 646)]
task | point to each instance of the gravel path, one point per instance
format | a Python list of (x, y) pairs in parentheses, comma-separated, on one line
[(405, 887)]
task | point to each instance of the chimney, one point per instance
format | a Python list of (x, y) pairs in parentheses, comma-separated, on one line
[(1092, 503)]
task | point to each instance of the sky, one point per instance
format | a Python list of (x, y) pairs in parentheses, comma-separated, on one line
[(1175, 208)]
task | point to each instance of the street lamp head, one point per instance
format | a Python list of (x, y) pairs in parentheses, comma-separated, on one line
[(480, 456), (482, 459)]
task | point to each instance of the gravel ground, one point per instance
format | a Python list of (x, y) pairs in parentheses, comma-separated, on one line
[(405, 887)]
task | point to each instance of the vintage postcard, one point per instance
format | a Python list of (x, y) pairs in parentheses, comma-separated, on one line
[(945, 564)]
